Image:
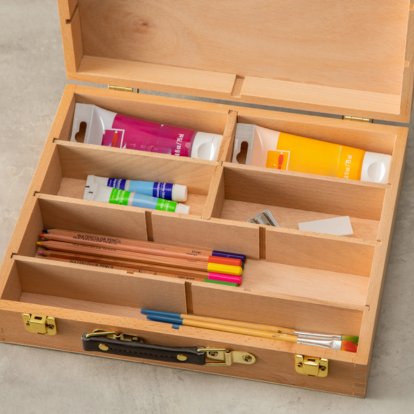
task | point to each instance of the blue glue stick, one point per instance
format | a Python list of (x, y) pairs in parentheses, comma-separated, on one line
[(166, 191), (96, 192)]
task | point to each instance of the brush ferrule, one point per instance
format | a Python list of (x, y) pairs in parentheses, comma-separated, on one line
[(323, 344), (307, 335)]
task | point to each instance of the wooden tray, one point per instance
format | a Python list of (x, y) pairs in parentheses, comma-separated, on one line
[(303, 280)]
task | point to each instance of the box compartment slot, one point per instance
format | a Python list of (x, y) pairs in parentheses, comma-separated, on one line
[(71, 163)]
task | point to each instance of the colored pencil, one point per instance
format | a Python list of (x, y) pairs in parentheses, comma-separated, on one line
[(144, 258), (95, 263), (247, 325), (142, 267), (141, 249), (333, 344), (108, 240)]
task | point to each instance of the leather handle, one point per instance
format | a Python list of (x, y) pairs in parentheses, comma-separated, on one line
[(139, 350)]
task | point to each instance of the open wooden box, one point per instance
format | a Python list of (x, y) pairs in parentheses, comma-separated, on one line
[(356, 60)]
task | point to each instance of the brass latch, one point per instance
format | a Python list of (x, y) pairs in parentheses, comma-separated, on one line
[(311, 366), (227, 357), (121, 88), (39, 324), (115, 335), (356, 118)]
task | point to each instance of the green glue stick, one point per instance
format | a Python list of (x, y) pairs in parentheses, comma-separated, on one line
[(96, 192)]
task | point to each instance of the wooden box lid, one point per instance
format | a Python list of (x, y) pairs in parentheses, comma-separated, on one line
[(347, 57)]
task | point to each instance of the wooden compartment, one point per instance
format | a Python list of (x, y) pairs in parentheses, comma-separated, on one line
[(71, 163), (292, 198), (303, 280), (308, 281)]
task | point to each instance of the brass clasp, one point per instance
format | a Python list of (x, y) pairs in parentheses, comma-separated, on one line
[(115, 335), (227, 357), (39, 324), (311, 366)]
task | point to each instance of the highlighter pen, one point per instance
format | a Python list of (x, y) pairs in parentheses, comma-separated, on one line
[(132, 267)]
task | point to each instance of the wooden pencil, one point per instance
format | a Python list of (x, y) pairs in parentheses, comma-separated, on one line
[(149, 248), (54, 254), (109, 240), (139, 267), (143, 258)]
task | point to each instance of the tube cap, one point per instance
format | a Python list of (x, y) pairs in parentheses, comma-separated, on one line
[(179, 192), (182, 209), (206, 146), (376, 167)]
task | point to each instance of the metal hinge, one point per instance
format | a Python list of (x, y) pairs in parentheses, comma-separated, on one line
[(311, 366), (39, 324), (355, 118), (121, 88), (227, 357)]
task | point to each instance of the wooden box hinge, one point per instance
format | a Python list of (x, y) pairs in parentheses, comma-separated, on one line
[(355, 118), (311, 366), (121, 88), (39, 324)]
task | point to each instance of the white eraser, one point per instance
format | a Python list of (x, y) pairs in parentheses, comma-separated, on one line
[(339, 226)]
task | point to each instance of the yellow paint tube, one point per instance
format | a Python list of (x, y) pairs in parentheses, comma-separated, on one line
[(282, 151)]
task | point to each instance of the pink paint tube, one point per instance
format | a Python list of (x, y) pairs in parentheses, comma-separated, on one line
[(115, 130)]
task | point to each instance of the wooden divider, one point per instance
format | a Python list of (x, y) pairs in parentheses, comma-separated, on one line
[(319, 251), (114, 287), (284, 311)]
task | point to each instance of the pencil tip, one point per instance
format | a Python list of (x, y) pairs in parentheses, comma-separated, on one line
[(39, 243), (40, 252), (44, 231), (41, 235)]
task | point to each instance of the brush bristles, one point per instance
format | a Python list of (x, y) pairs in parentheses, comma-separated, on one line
[(351, 338), (349, 347)]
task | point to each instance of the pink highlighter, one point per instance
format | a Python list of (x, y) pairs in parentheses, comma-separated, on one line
[(115, 130)]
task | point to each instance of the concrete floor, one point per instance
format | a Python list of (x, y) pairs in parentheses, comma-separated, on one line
[(32, 79)]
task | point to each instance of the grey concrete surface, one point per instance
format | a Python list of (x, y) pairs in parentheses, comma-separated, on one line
[(32, 79)]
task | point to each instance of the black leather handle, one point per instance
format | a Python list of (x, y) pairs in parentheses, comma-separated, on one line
[(139, 350)]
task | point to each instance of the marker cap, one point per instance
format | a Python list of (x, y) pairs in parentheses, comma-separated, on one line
[(225, 261), (182, 209), (206, 146), (217, 253), (225, 269), (376, 167), (225, 278), (219, 282), (179, 193)]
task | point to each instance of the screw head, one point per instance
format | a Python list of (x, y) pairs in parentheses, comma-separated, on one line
[(247, 358), (322, 368), (103, 347), (213, 353), (300, 365)]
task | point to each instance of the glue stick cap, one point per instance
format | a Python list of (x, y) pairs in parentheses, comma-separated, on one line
[(376, 167), (182, 209), (206, 146), (179, 192)]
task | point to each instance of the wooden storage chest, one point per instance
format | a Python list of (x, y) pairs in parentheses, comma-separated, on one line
[(346, 58)]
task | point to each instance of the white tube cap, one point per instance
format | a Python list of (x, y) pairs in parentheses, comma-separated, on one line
[(179, 192), (206, 146), (376, 167), (182, 209)]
